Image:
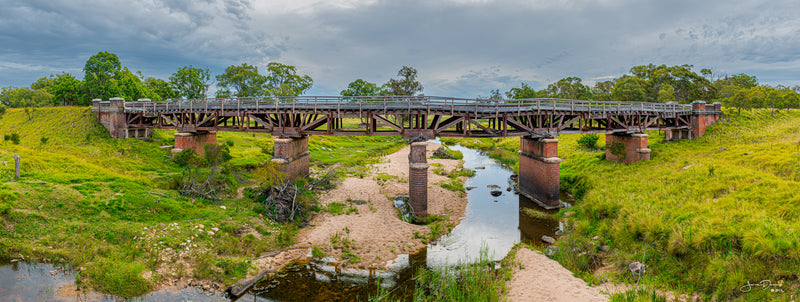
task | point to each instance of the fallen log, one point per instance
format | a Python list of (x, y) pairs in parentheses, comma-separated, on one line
[(238, 289)]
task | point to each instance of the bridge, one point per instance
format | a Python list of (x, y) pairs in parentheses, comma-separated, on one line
[(536, 121)]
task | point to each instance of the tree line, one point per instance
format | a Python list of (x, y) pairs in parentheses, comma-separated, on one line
[(105, 77), (662, 83)]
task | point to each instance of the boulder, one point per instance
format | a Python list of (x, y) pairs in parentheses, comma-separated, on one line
[(551, 251), (637, 268), (548, 239)]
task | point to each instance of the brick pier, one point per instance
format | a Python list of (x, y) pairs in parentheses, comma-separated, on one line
[(538, 171), (291, 156), (634, 147), (194, 140), (418, 179)]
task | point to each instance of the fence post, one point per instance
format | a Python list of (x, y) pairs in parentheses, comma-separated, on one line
[(16, 166)]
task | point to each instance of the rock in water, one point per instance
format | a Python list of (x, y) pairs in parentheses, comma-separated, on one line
[(548, 239), (496, 193)]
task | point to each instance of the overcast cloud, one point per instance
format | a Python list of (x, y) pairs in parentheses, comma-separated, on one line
[(461, 48)]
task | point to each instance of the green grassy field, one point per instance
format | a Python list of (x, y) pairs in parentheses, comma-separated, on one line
[(103, 205), (705, 215)]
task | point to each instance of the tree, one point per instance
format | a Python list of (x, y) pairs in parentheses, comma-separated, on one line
[(160, 88), (602, 90), (67, 90), (244, 80), (522, 92), (361, 88), (494, 94), (100, 74), (570, 88), (282, 80), (191, 82), (666, 94), (406, 84), (629, 89), (131, 87)]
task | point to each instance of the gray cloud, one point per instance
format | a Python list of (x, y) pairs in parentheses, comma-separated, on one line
[(461, 48)]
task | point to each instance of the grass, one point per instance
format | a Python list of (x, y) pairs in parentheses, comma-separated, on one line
[(107, 205), (714, 213), (470, 280)]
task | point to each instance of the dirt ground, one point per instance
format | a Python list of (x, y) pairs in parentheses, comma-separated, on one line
[(543, 279)]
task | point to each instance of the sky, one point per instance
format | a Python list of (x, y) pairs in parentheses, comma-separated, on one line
[(461, 48)]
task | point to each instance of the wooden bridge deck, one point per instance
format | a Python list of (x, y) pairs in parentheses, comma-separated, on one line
[(406, 116)]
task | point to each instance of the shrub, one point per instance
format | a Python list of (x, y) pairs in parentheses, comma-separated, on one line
[(2, 109), (588, 141), (14, 138), (216, 154), (185, 157), (43, 140)]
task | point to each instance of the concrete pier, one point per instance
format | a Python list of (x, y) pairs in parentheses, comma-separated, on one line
[(634, 147), (418, 179), (291, 156), (538, 171)]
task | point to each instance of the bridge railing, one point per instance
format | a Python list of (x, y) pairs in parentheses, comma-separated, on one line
[(410, 102)]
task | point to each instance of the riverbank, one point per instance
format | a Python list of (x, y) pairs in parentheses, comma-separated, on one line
[(706, 216)]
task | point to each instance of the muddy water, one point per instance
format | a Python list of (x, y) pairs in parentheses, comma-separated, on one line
[(34, 281), (491, 223), (494, 224)]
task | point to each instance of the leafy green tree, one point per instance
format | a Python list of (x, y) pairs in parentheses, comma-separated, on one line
[(360, 87), (666, 94), (524, 91), (602, 90), (67, 90), (283, 80), (161, 88), (494, 94), (406, 84), (25, 97), (44, 83), (569, 88), (100, 74), (739, 80), (629, 89), (243, 80), (131, 87), (191, 82)]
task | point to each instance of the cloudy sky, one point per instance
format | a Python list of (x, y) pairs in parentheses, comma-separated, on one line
[(461, 48)]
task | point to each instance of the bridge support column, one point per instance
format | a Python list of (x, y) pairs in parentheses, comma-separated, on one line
[(112, 115), (698, 119), (291, 156), (418, 179), (194, 140), (676, 134), (627, 148), (539, 171)]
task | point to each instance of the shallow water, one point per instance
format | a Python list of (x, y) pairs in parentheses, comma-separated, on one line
[(493, 223)]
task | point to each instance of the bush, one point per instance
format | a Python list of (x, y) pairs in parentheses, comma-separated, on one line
[(43, 140), (14, 138), (2, 109), (216, 154), (185, 158), (588, 141)]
